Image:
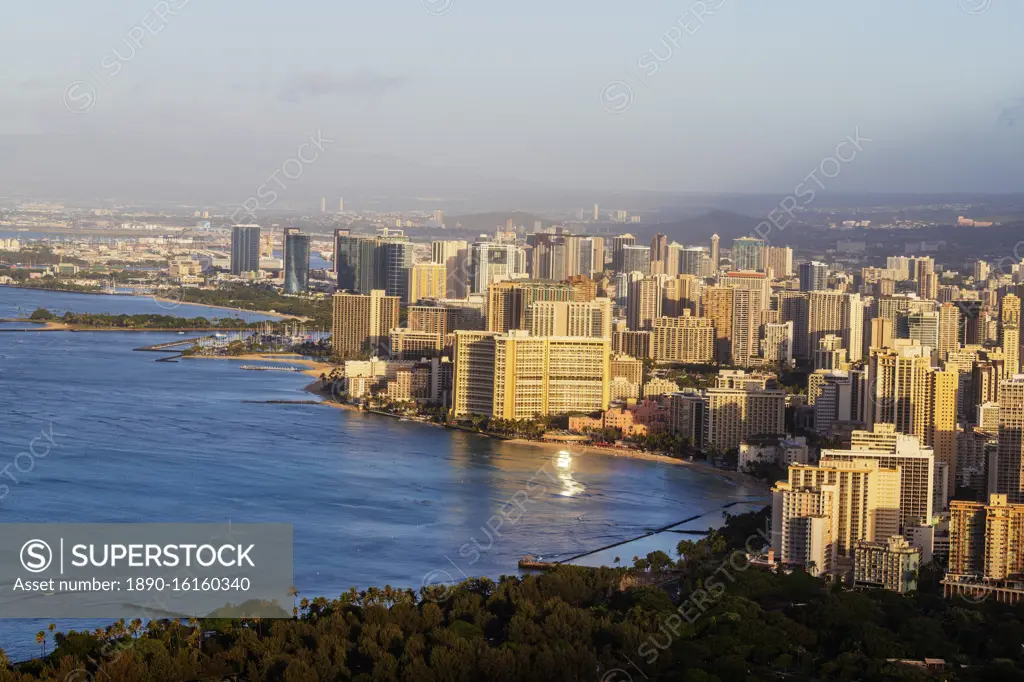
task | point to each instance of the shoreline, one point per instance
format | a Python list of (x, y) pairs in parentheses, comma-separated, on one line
[(161, 299), (576, 448)]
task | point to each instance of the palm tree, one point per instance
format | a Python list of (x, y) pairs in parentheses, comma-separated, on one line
[(294, 592), (41, 641)]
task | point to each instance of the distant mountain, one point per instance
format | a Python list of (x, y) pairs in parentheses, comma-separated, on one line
[(697, 231)]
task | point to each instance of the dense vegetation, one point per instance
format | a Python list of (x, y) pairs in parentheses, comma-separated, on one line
[(104, 321), (256, 298), (577, 624)]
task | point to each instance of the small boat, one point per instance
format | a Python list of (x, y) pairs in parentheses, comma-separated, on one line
[(181, 333)]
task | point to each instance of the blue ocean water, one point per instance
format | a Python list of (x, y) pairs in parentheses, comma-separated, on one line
[(373, 500)]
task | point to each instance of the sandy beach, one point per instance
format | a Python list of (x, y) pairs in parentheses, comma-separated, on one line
[(574, 448), (315, 369)]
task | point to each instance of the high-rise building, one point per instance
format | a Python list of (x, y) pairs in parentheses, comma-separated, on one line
[(1009, 473), (716, 242), (473, 382), (454, 255), (739, 409), (643, 303), (659, 251), (636, 259), (893, 450), (691, 261), (924, 328), (683, 339), (823, 511), (618, 244), (881, 333), (777, 344), (347, 252), (396, 256), (928, 285), (904, 390), (830, 353), (490, 262), (831, 312), (362, 323), (746, 254), (949, 326), (1009, 333), (793, 307), (296, 261), (427, 280), (813, 276), (583, 288), (986, 549), (780, 260), (552, 375), (590, 319), (586, 257), (245, 249), (508, 302), (681, 293), (717, 305)]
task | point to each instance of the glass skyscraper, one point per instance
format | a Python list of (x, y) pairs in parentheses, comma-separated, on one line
[(296, 261), (346, 260), (245, 249), (746, 254)]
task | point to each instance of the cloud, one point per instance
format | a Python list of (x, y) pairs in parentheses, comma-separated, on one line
[(323, 84)]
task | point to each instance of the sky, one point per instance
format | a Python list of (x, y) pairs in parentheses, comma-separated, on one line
[(713, 96)]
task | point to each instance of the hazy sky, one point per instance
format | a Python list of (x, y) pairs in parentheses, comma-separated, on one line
[(752, 98)]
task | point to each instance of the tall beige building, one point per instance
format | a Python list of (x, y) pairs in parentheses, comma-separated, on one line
[(881, 333), (507, 302), (780, 260), (683, 339), (777, 344), (643, 303), (831, 312), (427, 280), (717, 306), (1009, 334), (571, 318), (892, 450), (949, 330), (540, 376), (361, 323), (473, 380), (741, 406), (1009, 474), (627, 367), (681, 293), (904, 390), (793, 308), (453, 254), (986, 549), (857, 501)]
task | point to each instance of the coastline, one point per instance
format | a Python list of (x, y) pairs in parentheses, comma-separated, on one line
[(161, 299), (576, 448)]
